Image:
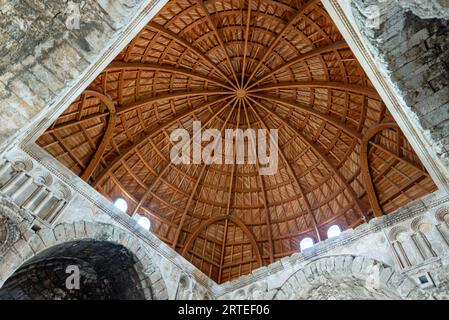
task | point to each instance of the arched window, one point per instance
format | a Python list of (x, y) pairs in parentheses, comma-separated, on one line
[(121, 204), (144, 222), (306, 243), (333, 231)]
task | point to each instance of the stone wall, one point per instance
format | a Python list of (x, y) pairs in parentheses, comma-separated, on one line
[(411, 42), (404, 255), (44, 64), (105, 270), (50, 49), (40, 209), (400, 256)]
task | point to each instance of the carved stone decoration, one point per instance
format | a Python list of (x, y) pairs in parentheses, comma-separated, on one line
[(442, 215), (23, 165), (9, 232)]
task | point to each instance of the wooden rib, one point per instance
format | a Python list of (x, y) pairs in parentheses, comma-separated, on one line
[(364, 165), (106, 137), (409, 185), (264, 195), (73, 123), (228, 206), (117, 65), (217, 218), (295, 178), (186, 44), (313, 53), (280, 35), (189, 202), (318, 84), (362, 208), (70, 152), (149, 190), (152, 134), (245, 48), (169, 60), (309, 109), (182, 94), (220, 40)]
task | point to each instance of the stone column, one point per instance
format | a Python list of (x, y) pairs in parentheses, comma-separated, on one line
[(12, 182), (20, 189), (418, 247), (56, 209), (441, 233), (43, 202)]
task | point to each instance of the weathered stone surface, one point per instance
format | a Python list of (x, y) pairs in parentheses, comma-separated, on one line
[(46, 46), (412, 44)]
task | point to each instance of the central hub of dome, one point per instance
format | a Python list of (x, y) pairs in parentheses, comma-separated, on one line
[(240, 93)]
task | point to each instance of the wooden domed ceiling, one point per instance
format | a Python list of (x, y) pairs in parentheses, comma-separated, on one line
[(240, 64)]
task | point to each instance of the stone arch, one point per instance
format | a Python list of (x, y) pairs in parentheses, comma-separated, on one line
[(421, 224), (442, 215), (185, 287), (349, 277), (78, 270), (395, 232), (33, 243)]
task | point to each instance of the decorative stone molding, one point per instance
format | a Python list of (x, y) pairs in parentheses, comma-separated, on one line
[(388, 224), (354, 276), (9, 233)]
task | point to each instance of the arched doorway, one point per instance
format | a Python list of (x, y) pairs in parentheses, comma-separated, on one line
[(106, 272), (347, 277)]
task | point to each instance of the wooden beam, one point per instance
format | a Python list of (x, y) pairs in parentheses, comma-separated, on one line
[(223, 250), (364, 166), (222, 217), (220, 40), (264, 195), (280, 35), (73, 123), (106, 137), (181, 94), (189, 202), (228, 206), (245, 47), (399, 158)]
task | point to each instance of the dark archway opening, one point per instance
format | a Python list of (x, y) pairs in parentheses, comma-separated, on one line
[(106, 272)]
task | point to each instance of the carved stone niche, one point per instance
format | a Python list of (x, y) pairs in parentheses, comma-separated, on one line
[(9, 232)]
